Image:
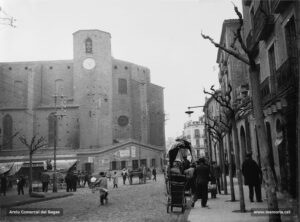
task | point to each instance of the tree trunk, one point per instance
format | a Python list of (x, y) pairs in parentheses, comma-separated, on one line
[(30, 172), (270, 185), (230, 168), (298, 118), (238, 165), (222, 160), (221, 166)]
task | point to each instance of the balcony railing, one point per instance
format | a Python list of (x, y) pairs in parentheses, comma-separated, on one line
[(286, 75), (263, 22), (265, 90), (278, 6)]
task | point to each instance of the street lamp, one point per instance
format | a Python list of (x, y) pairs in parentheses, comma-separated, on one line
[(189, 112)]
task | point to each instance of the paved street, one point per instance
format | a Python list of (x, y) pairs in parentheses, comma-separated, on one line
[(127, 203), (145, 203)]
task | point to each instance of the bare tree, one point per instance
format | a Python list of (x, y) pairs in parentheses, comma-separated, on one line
[(6, 19), (230, 113), (217, 128), (270, 183), (35, 144)]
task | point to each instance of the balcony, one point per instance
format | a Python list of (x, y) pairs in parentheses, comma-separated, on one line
[(247, 2), (263, 22), (265, 90), (278, 6), (286, 75)]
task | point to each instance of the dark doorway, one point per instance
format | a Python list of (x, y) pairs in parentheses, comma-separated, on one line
[(135, 164)]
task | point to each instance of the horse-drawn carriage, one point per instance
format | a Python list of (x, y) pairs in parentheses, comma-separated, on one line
[(175, 177), (141, 173)]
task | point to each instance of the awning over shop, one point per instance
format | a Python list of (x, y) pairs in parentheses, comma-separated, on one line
[(15, 168), (5, 167), (10, 168), (65, 165)]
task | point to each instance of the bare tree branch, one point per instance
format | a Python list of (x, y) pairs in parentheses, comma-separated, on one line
[(229, 51)]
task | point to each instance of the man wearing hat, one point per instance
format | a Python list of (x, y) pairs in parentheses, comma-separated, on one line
[(202, 175), (253, 177)]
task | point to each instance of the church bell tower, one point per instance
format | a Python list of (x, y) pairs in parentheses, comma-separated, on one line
[(93, 87)]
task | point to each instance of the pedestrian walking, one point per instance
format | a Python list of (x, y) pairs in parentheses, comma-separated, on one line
[(154, 173), (3, 185), (124, 175), (101, 185), (202, 174), (253, 177), (45, 178), (20, 185), (216, 173), (115, 180)]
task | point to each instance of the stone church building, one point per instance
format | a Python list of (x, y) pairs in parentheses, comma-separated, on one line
[(105, 113)]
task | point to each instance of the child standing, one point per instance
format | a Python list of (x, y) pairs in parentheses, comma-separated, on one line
[(115, 180)]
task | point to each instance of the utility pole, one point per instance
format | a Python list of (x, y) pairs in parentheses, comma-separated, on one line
[(55, 138)]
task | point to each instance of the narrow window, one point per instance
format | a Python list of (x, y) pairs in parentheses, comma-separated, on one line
[(197, 133), (88, 46), (7, 132), (272, 66), (122, 86), (290, 38)]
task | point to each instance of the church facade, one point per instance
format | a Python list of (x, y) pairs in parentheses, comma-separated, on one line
[(103, 112)]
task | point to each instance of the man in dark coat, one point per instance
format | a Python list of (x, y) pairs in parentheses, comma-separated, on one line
[(68, 182), (253, 177), (74, 182), (154, 173), (3, 185), (217, 173), (45, 178), (202, 175), (20, 183)]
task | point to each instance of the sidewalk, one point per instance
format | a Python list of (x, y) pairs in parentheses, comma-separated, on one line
[(221, 209), (12, 199)]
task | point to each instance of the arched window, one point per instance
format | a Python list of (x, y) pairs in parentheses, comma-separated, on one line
[(7, 132), (88, 45), (51, 129), (197, 133), (59, 87)]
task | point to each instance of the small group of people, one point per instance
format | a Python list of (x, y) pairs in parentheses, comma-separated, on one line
[(201, 173)]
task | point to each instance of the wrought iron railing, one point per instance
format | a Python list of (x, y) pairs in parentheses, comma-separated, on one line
[(265, 90), (286, 75)]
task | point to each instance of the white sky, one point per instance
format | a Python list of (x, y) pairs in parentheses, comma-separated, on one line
[(163, 35)]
